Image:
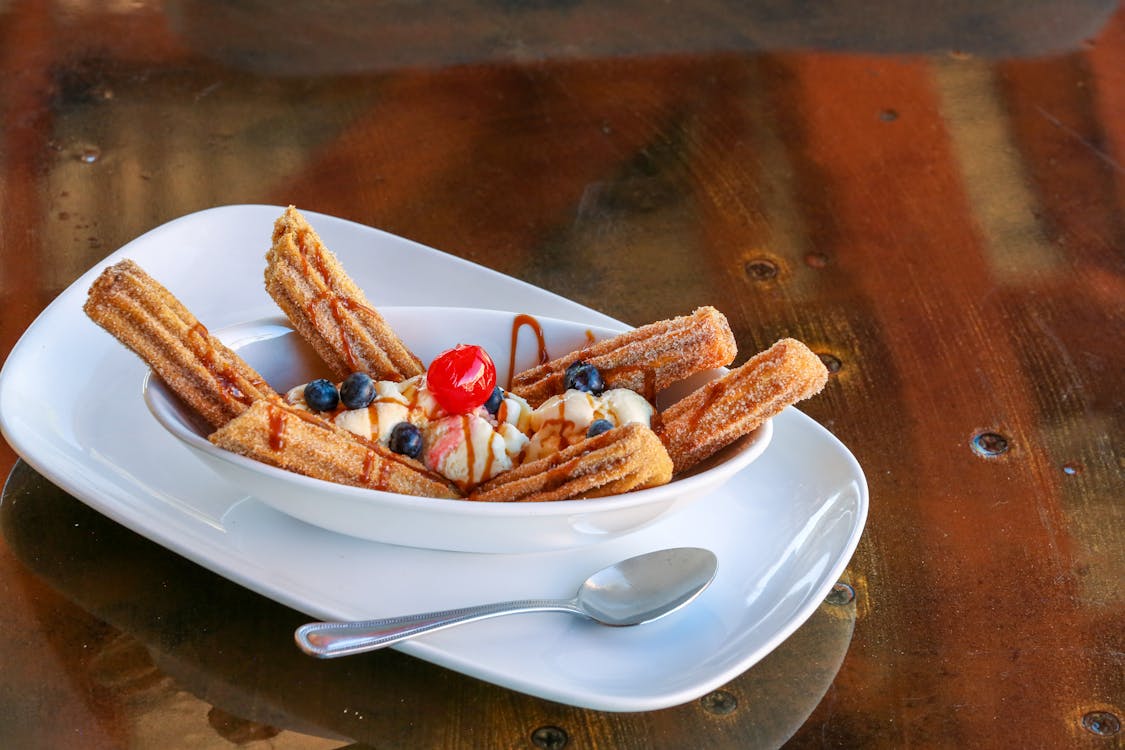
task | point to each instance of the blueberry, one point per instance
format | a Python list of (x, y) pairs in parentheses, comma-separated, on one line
[(357, 390), (494, 401), (406, 439), (321, 395), (583, 376), (598, 426)]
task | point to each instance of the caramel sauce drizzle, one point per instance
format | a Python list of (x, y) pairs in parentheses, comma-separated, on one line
[(226, 376), (488, 461), (368, 462), (471, 458), (413, 406), (277, 427), (518, 323), (558, 472), (336, 300), (565, 425), (307, 416), (715, 392), (384, 480), (333, 300), (371, 459), (558, 475), (470, 454)]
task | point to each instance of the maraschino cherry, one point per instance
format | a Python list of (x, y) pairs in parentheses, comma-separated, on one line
[(462, 378)]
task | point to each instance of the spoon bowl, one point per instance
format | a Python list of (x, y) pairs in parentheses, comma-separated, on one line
[(631, 592)]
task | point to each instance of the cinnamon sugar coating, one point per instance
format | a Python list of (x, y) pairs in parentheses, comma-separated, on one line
[(279, 435), (144, 316), (646, 359), (626, 458), (328, 309), (724, 410)]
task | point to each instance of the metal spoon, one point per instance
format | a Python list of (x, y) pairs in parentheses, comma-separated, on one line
[(633, 591)]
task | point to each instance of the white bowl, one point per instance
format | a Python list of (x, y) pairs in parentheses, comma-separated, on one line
[(284, 359)]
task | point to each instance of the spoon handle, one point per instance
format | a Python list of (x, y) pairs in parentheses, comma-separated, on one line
[(331, 639)]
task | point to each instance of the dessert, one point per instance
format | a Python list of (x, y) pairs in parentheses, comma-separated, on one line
[(620, 460), (147, 318), (646, 360), (579, 426), (724, 410), (299, 441), (328, 309)]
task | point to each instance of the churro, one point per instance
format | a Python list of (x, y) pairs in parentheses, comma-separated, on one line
[(724, 410), (299, 441), (148, 319), (623, 459), (328, 309), (646, 359)]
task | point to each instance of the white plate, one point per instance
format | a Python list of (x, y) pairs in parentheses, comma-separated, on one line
[(284, 360), (783, 529)]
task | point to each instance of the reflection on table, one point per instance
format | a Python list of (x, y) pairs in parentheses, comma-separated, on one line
[(172, 651)]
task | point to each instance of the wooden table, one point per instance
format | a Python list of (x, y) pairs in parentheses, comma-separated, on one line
[(932, 198)]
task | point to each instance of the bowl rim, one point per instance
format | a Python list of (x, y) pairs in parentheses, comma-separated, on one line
[(160, 401)]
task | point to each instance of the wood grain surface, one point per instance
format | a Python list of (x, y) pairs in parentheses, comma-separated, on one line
[(933, 198)]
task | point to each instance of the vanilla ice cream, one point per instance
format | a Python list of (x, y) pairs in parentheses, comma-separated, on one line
[(564, 419)]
